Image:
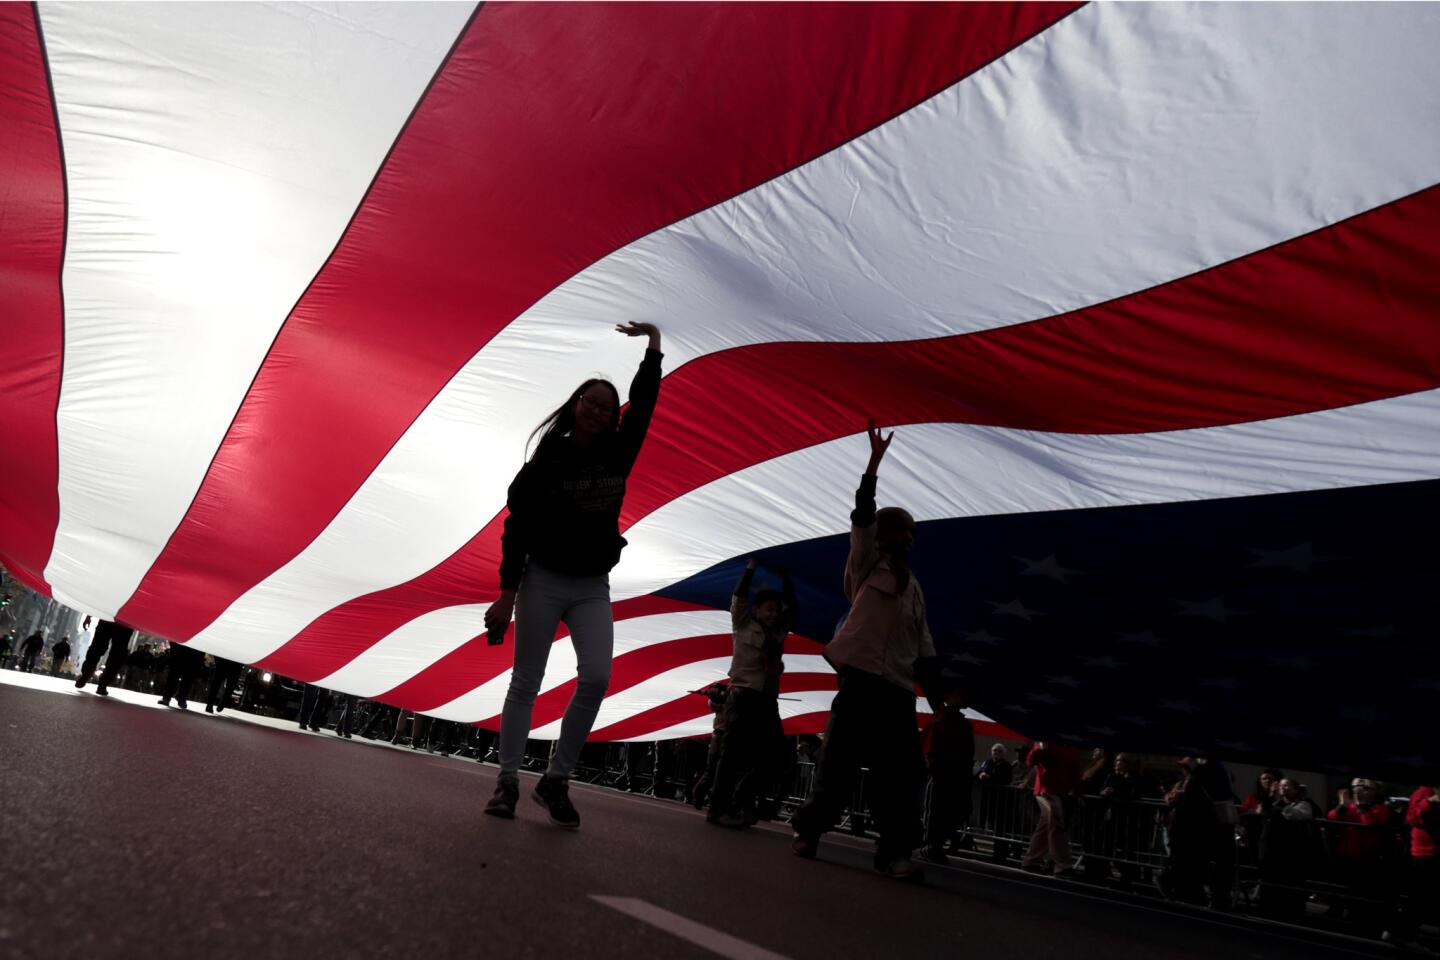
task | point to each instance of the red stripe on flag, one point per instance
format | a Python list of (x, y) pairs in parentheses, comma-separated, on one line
[(1335, 317), (32, 253), (637, 666), (690, 707), (457, 236)]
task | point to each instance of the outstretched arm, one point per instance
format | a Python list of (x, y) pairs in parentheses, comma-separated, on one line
[(863, 554), (644, 389), (740, 600), (864, 512)]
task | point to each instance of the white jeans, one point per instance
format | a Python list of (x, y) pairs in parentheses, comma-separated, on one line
[(544, 600)]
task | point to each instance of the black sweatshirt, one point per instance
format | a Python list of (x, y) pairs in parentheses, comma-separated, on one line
[(565, 503)]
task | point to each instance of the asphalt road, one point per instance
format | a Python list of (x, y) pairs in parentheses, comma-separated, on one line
[(135, 831)]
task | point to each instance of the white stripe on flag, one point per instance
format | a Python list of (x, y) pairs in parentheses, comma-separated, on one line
[(214, 154)]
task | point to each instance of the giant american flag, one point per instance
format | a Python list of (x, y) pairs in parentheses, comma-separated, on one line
[(1150, 292)]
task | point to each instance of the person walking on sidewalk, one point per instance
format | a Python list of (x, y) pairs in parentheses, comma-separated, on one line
[(30, 651), (879, 651), (59, 655), (561, 540)]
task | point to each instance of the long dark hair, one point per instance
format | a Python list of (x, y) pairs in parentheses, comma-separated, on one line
[(562, 420)]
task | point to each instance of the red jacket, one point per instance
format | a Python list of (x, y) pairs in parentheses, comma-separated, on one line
[(1057, 770), (1423, 815), (1361, 842)]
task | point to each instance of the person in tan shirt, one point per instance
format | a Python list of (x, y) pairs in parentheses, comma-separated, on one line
[(880, 650)]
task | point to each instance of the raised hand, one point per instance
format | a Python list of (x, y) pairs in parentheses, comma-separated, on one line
[(637, 329), (879, 443)]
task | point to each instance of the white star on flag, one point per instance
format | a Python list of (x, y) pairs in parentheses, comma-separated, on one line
[(1048, 567), (1299, 558), (1015, 609)]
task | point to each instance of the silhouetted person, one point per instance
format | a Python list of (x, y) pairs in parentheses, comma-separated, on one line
[(1289, 850), (992, 777), (1057, 794), (31, 649), (949, 758), (222, 684), (314, 706), (183, 662), (59, 654), (1422, 900), (346, 723), (1362, 851), (880, 650), (715, 696), (381, 717), (562, 539), (750, 755), (114, 638)]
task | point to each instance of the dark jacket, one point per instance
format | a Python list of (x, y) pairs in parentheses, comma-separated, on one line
[(565, 503), (1000, 772)]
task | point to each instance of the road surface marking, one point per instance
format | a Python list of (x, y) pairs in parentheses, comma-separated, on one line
[(697, 933)]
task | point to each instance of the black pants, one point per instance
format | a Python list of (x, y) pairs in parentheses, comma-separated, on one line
[(346, 724), (1422, 897), (184, 663), (379, 716), (27, 662), (222, 683), (948, 806), (872, 722), (314, 706), (117, 642), (750, 752)]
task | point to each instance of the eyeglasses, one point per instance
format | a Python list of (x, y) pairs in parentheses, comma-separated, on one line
[(597, 406)]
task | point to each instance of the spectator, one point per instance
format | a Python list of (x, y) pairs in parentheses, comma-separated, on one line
[(1422, 889), (993, 776), (1200, 830), (1097, 770), (1121, 821), (1057, 790), (59, 654), (1288, 851), (1189, 826), (29, 650), (1361, 842), (949, 745), (1267, 785)]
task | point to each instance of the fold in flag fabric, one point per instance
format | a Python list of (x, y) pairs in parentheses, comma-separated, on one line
[(1148, 292)]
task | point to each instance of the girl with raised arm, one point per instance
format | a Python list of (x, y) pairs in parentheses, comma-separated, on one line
[(561, 540)]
